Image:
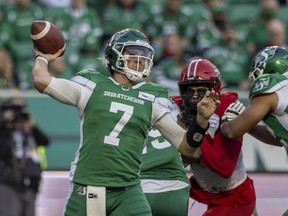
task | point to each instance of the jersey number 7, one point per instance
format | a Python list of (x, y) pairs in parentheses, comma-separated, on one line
[(112, 139)]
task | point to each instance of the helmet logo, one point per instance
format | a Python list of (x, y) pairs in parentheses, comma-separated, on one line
[(264, 56)]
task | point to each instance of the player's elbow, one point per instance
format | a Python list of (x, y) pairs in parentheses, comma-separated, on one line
[(228, 132), (230, 135), (40, 83), (190, 155)]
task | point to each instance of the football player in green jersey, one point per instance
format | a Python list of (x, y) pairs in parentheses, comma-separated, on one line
[(268, 100), (163, 177), (116, 114)]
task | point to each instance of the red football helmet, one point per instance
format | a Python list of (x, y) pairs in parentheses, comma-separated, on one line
[(198, 72)]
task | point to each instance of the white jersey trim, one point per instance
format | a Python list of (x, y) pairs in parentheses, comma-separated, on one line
[(282, 99)]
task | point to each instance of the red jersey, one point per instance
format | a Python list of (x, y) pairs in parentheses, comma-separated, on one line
[(220, 177)]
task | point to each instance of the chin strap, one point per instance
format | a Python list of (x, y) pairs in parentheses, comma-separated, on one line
[(131, 80)]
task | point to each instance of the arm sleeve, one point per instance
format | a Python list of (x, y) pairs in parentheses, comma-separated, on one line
[(74, 92), (171, 131), (161, 106), (221, 154), (65, 91)]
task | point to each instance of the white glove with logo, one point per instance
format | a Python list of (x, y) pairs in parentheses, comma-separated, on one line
[(233, 110)]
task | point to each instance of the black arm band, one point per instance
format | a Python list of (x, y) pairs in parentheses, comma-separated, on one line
[(195, 134)]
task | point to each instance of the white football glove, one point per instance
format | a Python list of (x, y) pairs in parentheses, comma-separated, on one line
[(233, 110)]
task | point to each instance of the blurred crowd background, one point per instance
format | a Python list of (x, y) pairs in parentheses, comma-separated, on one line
[(227, 32)]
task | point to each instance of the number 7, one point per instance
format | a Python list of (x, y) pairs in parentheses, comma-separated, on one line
[(112, 139)]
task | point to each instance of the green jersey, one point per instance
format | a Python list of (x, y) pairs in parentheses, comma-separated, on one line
[(276, 121), (161, 160), (114, 127)]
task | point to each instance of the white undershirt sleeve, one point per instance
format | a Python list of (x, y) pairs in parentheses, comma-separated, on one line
[(69, 92), (64, 90), (171, 131)]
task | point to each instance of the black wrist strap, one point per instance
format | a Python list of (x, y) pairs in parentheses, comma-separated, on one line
[(195, 134)]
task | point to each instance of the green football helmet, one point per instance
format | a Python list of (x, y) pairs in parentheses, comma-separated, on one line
[(126, 46), (272, 59)]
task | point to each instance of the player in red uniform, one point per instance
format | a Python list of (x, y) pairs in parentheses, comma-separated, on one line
[(219, 178)]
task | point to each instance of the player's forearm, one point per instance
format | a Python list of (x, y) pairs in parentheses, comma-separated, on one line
[(261, 133), (203, 122), (40, 74), (188, 152), (177, 136), (237, 127), (193, 139), (187, 142), (174, 136), (226, 130)]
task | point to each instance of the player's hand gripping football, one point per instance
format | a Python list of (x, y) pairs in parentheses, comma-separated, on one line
[(49, 57), (233, 110)]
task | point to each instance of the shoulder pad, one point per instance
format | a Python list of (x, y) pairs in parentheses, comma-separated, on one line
[(91, 75), (155, 89), (86, 73), (267, 83)]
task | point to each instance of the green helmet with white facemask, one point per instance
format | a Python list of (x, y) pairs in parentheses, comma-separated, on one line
[(272, 59), (129, 45)]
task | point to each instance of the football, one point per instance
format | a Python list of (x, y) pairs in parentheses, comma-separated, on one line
[(46, 37)]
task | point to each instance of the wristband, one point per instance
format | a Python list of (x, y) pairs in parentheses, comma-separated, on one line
[(42, 58), (195, 134)]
